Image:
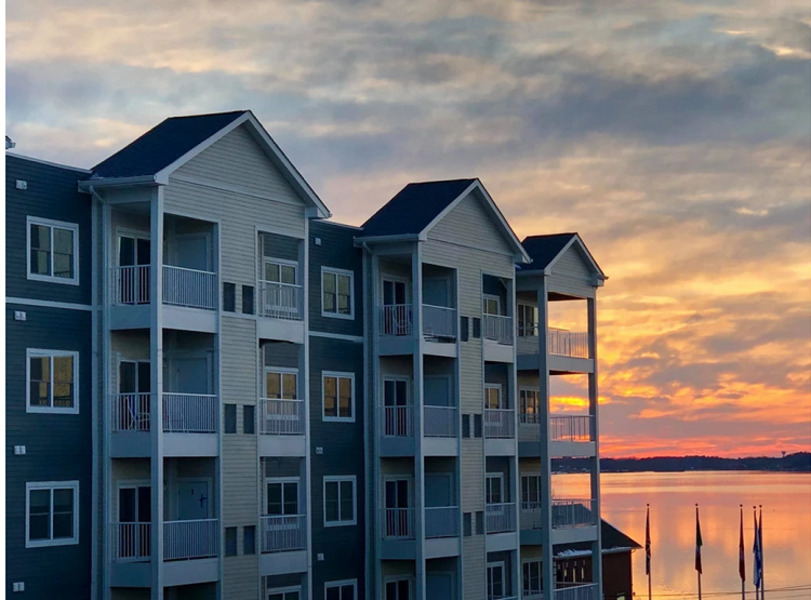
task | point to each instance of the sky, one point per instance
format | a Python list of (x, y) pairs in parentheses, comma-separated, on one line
[(675, 137)]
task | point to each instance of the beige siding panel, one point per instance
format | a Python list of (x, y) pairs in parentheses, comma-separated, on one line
[(469, 224), (474, 568), (572, 274), (472, 466), (237, 159), (240, 575)]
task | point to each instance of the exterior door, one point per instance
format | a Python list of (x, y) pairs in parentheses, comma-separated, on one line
[(134, 521), (133, 276), (396, 411), (281, 414), (397, 507), (281, 529), (398, 589), (438, 490), (496, 580), (134, 386), (396, 310), (280, 289), (193, 500), (191, 251), (439, 586), (436, 291), (437, 390)]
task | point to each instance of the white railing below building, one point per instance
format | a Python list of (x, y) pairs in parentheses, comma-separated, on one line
[(500, 518), (130, 412), (499, 423), (396, 319), (131, 541), (192, 288), (279, 416), (280, 300), (284, 533), (189, 413), (498, 328), (185, 540), (398, 523), (440, 421), (438, 321), (441, 521), (129, 285)]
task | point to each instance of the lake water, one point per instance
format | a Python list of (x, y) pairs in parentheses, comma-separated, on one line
[(786, 500)]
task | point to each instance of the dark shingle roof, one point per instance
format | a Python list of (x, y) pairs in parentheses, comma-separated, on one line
[(414, 207), (163, 144), (543, 249)]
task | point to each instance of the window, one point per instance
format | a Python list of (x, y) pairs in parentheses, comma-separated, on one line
[(336, 293), (531, 580), (530, 491), (230, 418), (529, 406), (247, 299), (398, 589), (338, 391), (53, 250), (282, 497), (229, 296), (249, 539), (341, 590), (492, 395), (53, 381), (496, 580), (339, 501), (52, 513), (248, 419), (527, 320), (396, 409), (230, 541), (494, 488), (290, 593), (467, 524), (491, 305)]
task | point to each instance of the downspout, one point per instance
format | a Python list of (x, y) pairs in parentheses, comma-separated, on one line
[(367, 357), (97, 351)]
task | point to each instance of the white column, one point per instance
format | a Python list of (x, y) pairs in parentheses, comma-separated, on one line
[(547, 553), (419, 459), (596, 547), (376, 410)]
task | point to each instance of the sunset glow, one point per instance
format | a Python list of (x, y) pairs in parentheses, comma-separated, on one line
[(674, 137)]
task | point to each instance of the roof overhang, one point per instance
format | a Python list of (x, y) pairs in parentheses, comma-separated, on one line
[(388, 239), (112, 182), (577, 241)]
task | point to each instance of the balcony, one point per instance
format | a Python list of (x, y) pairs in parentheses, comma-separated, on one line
[(398, 523), (498, 328), (440, 421), (568, 351), (573, 520), (398, 421), (500, 518), (569, 435), (441, 521), (499, 423), (280, 300), (284, 533), (439, 328), (131, 541), (187, 540), (575, 591), (531, 516), (282, 427), (439, 322)]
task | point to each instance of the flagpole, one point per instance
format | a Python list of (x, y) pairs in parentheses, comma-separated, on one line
[(760, 545), (699, 543), (742, 560), (647, 549)]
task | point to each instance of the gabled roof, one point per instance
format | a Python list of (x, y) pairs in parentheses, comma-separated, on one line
[(419, 206), (612, 539), (545, 250), (163, 144), (170, 144)]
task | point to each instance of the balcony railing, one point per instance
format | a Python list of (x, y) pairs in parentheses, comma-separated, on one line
[(190, 413), (284, 533), (498, 328), (129, 285), (560, 342), (572, 428), (440, 421), (530, 515), (499, 423), (396, 319), (184, 540), (130, 412), (575, 591), (280, 300), (190, 287), (281, 417), (398, 421), (439, 321), (131, 541), (398, 523), (570, 513), (442, 521), (500, 518)]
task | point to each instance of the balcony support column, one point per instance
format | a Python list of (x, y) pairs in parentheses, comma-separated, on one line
[(156, 398), (547, 552), (596, 546), (419, 459)]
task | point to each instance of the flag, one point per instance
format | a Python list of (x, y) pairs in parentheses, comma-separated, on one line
[(647, 542), (699, 543), (756, 549), (741, 561)]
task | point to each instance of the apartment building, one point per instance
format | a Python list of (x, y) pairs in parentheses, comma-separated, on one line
[(277, 406)]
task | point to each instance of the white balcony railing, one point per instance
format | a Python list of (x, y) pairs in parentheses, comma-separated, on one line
[(284, 533), (396, 319), (130, 412), (190, 287), (184, 540), (438, 321), (499, 423), (442, 521), (129, 285), (131, 541), (530, 515), (500, 518), (572, 428), (281, 417), (280, 300), (189, 413), (569, 513), (398, 523), (575, 591), (398, 421), (440, 421), (498, 328), (560, 342)]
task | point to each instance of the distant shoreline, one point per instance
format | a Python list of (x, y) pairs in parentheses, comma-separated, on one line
[(799, 462)]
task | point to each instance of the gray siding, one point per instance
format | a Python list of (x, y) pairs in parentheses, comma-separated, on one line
[(572, 274), (469, 224)]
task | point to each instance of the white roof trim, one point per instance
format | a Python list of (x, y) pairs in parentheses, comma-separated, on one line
[(295, 178), (506, 231), (590, 260)]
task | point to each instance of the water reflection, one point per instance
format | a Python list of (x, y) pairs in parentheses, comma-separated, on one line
[(786, 500)]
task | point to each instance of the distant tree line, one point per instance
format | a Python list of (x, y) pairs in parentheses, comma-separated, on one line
[(800, 461)]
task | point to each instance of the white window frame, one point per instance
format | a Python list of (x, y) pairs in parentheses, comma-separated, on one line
[(281, 481), (485, 298), (284, 590), (337, 418), (494, 386), (339, 479), (339, 584), (529, 477), (395, 579), (335, 272), (532, 561), (522, 392), (523, 309), (280, 262), (493, 476), (281, 372), (40, 352), (74, 227), (491, 566), (52, 485)]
